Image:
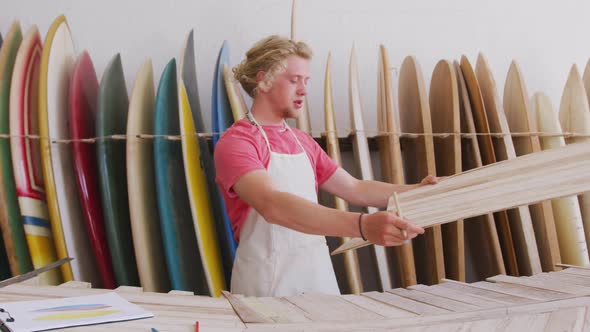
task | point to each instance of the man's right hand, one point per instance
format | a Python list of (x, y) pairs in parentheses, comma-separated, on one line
[(385, 229)]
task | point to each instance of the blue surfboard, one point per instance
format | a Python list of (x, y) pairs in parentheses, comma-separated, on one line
[(178, 233)]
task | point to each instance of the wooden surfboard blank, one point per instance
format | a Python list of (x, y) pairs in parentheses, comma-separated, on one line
[(488, 156), (363, 160), (566, 209), (418, 156), (391, 159), (481, 235), (236, 99), (521, 225), (350, 259), (522, 119), (444, 108), (521, 181), (574, 115)]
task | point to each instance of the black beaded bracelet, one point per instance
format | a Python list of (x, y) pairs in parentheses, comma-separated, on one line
[(361, 227)]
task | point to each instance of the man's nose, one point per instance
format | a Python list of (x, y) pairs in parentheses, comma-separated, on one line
[(302, 89)]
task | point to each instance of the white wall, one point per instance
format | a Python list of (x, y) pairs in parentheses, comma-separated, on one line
[(546, 37)]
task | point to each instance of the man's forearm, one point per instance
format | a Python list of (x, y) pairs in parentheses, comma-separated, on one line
[(302, 215), (376, 193)]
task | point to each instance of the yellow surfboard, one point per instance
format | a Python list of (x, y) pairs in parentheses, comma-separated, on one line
[(54, 68), (199, 197)]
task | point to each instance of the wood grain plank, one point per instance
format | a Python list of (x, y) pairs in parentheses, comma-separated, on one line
[(377, 307), (322, 307), (406, 304), (434, 300)]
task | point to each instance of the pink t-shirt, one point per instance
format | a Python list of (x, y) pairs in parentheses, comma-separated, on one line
[(242, 149)]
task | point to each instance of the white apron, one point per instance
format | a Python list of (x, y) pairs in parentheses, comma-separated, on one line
[(272, 260)]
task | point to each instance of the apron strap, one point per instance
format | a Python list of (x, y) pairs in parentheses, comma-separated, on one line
[(255, 123)]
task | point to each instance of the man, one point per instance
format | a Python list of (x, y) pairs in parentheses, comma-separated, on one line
[(269, 175)]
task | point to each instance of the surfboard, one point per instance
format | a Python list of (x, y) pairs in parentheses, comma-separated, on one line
[(178, 233), (57, 63), (111, 119), (488, 156), (444, 110), (4, 265), (303, 121), (574, 116), (566, 210), (143, 209), (363, 161), (391, 163), (221, 113), (82, 103), (419, 161), (221, 119), (223, 228), (11, 225), (24, 119), (482, 244), (584, 128), (236, 99), (202, 213), (351, 264), (521, 119)]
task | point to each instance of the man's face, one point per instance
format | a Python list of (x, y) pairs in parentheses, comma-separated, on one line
[(289, 87)]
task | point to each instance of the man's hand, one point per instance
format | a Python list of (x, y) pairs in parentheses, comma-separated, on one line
[(385, 229), (430, 179)]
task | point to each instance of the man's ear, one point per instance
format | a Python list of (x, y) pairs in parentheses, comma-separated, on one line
[(261, 82)]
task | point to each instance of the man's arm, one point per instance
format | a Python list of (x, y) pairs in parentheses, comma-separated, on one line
[(257, 190), (364, 192)]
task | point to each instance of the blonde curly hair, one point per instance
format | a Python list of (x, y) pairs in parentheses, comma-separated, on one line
[(268, 55)]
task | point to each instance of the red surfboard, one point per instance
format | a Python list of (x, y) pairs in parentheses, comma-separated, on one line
[(82, 101)]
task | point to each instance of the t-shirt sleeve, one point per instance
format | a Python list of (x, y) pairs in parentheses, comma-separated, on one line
[(324, 165), (235, 156)]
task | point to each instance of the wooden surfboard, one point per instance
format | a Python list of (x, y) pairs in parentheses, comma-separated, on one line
[(83, 107), (196, 181), (351, 264), (71, 240), (143, 208), (444, 108), (26, 155), (391, 162), (488, 156), (585, 197), (566, 210), (521, 119), (418, 156), (223, 228), (574, 116), (303, 119), (113, 106), (363, 160), (481, 236), (11, 224), (178, 232), (236, 99)]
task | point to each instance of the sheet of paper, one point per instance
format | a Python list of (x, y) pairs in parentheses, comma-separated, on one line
[(41, 315)]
